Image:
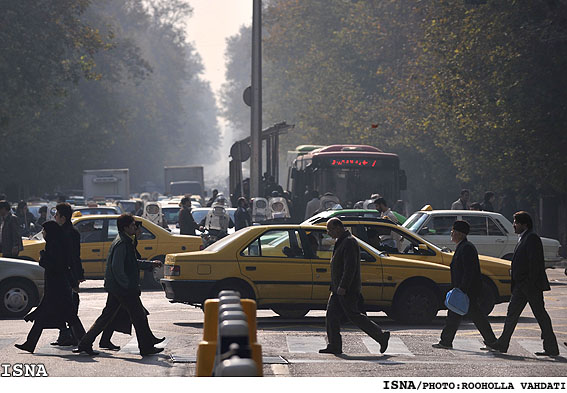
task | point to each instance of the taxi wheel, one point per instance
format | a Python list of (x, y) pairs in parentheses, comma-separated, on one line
[(291, 313), (17, 297), (416, 304)]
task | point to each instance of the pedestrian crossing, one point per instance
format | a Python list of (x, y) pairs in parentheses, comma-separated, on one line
[(407, 347)]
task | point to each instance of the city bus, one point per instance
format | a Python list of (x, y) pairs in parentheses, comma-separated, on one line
[(351, 172)]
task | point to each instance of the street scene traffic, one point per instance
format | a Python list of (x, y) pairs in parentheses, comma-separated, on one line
[(365, 189)]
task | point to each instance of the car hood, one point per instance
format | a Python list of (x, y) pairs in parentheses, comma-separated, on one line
[(547, 242), (20, 263)]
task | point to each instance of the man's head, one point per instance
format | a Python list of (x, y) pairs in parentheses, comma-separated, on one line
[(465, 194), (126, 224), (241, 202), (335, 227), (522, 222), (314, 194), (63, 214), (138, 205), (4, 208), (460, 231), (381, 204), (215, 192), (185, 202), (488, 195), (43, 211)]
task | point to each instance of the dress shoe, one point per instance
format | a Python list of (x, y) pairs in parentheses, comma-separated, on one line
[(334, 351), (25, 347), (109, 345), (65, 343), (548, 353), (88, 350), (151, 351), (494, 346), (442, 345), (384, 341), (158, 340)]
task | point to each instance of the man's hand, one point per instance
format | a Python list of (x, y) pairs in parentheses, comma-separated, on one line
[(341, 291)]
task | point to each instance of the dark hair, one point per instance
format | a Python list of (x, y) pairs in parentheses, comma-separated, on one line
[(43, 209), (524, 218), (314, 194), (65, 210), (184, 200), (5, 205), (124, 220), (21, 205), (380, 201), (464, 191), (488, 195), (335, 222), (462, 226), (240, 200)]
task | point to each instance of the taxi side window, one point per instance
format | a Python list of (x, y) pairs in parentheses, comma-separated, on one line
[(276, 243), (321, 244), (146, 234), (91, 231), (112, 230)]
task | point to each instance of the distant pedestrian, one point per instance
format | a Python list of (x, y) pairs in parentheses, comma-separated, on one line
[(121, 281), (313, 205), (345, 299), (57, 307), (10, 238), (487, 205), (242, 217), (476, 206), (463, 202), (42, 215), (465, 275), (187, 224), (529, 281), (393, 239), (213, 198), (26, 220), (139, 208)]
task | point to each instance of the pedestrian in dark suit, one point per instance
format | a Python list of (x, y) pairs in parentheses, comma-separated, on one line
[(529, 281), (187, 224), (10, 238), (121, 281), (56, 307), (344, 301), (465, 275)]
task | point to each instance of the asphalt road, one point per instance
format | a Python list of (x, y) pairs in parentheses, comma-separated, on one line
[(289, 347)]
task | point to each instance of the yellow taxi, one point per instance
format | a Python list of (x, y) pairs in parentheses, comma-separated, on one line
[(396, 240), (97, 233), (286, 268)]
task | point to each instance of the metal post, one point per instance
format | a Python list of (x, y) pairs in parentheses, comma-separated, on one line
[(256, 112)]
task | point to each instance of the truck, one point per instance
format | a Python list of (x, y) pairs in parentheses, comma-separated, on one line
[(106, 183), (181, 180)]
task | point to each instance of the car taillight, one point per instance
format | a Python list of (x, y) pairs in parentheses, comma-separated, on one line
[(172, 270)]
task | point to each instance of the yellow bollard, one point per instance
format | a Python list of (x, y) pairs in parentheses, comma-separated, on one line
[(207, 349)]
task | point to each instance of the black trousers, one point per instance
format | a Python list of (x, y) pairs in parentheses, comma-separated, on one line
[(522, 295), (133, 305), (341, 308), (480, 320), (34, 334)]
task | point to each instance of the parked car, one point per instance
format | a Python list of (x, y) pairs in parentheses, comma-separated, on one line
[(286, 268), (98, 232), (21, 286), (495, 272), (492, 233)]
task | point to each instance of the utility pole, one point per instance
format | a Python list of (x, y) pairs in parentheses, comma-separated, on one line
[(256, 112)]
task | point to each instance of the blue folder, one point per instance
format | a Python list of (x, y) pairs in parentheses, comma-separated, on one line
[(457, 301)]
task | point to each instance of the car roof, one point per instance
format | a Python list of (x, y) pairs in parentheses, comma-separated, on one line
[(459, 212)]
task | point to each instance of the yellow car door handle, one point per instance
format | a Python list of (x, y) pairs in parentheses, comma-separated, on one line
[(148, 248), (320, 270), (250, 268), (95, 250)]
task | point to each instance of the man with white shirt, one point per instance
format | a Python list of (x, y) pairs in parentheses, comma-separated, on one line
[(313, 205), (382, 207)]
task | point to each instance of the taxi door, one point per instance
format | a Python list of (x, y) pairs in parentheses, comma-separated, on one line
[(276, 264), (93, 237)]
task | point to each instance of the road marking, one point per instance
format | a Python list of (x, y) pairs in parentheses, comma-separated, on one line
[(395, 347), (5, 342), (534, 346), (132, 346), (305, 344), (280, 370), (469, 347)]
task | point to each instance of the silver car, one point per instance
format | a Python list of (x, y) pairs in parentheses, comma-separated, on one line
[(21, 286)]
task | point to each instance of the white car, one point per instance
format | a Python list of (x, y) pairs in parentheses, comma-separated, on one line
[(21, 286), (491, 233)]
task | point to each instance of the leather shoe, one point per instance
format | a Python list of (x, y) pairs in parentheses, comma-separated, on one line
[(65, 343), (25, 347), (331, 350), (495, 346), (109, 345), (87, 350), (151, 351), (441, 345), (158, 340), (384, 341), (547, 353)]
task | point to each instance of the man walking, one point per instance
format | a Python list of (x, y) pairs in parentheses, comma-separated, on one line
[(529, 281), (187, 224), (463, 202), (345, 291), (10, 239), (121, 281), (465, 275), (242, 217)]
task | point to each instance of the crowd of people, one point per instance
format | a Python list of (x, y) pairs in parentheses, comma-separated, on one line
[(507, 206)]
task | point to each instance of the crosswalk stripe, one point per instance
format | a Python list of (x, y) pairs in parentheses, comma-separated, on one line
[(469, 347), (395, 346), (305, 344), (132, 346), (6, 342), (534, 346)]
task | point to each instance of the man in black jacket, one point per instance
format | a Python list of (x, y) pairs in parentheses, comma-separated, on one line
[(345, 291), (187, 224), (465, 275), (529, 281), (10, 238)]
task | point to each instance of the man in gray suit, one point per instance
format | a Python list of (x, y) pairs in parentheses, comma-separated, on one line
[(529, 281), (345, 291)]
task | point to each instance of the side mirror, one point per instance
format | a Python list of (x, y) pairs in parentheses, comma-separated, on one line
[(423, 247)]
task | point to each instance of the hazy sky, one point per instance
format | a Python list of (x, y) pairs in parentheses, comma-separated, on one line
[(212, 22)]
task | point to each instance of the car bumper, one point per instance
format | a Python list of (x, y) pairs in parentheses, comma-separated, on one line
[(187, 291)]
